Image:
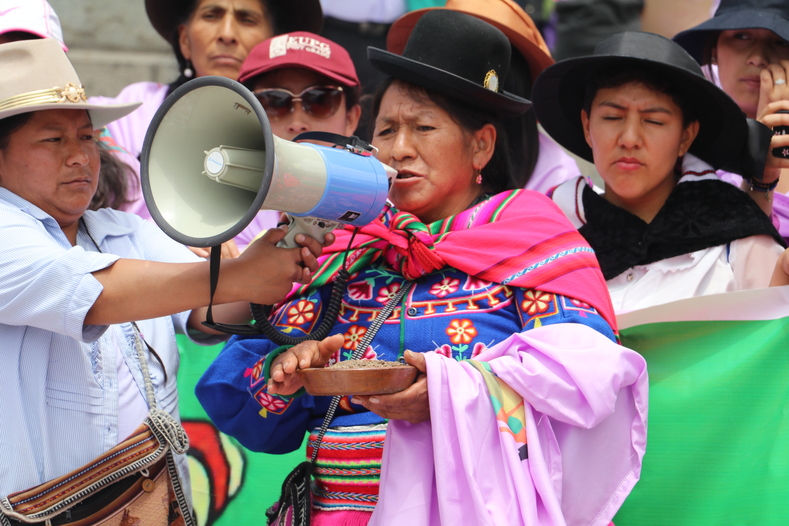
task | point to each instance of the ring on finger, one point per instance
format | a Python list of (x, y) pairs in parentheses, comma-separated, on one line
[(778, 82)]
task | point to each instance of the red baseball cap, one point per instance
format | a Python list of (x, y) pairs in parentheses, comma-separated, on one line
[(300, 50)]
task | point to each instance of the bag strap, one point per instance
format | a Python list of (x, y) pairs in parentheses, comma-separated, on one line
[(360, 348), (167, 429)]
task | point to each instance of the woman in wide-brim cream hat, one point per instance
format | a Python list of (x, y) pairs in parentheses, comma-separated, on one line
[(73, 280)]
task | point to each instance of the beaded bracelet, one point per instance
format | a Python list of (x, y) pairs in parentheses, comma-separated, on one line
[(267, 370), (764, 188), (759, 186)]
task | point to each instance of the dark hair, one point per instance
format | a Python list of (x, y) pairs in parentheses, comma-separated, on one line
[(615, 77), (179, 57), (114, 181), (522, 132), (11, 124), (497, 174), (709, 44)]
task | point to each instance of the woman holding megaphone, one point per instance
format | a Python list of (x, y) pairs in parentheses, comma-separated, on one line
[(486, 290)]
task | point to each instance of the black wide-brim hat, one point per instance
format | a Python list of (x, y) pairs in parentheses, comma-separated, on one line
[(559, 92), (737, 14), (457, 55), (287, 16)]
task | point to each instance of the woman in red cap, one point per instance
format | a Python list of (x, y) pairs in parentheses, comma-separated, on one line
[(305, 83)]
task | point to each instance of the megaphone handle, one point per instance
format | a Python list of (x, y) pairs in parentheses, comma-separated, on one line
[(311, 226)]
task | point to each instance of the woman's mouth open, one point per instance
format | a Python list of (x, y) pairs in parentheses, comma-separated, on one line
[(405, 175)]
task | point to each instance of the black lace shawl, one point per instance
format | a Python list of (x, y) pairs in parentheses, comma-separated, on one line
[(696, 215)]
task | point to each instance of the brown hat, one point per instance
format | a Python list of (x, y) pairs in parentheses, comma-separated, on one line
[(37, 76), (287, 15), (505, 15)]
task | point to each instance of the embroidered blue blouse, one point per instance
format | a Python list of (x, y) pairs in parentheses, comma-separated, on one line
[(448, 311)]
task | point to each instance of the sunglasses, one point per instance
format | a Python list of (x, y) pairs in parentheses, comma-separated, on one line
[(320, 102)]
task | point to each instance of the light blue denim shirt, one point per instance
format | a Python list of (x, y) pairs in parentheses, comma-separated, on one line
[(58, 380)]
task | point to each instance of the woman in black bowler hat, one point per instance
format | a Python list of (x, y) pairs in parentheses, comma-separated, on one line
[(493, 292), (745, 48), (665, 227)]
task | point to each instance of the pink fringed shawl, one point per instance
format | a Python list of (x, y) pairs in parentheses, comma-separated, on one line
[(517, 238)]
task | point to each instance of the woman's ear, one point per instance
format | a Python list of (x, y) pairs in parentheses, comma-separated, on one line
[(183, 42), (585, 124), (484, 144), (688, 136)]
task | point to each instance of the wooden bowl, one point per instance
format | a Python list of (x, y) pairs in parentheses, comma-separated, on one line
[(325, 381)]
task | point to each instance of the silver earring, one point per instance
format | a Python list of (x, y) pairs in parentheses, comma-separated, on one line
[(188, 72)]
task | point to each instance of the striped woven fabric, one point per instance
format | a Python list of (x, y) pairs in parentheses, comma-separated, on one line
[(348, 467)]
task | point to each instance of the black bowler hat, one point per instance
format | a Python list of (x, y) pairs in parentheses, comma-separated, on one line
[(457, 55), (737, 14), (286, 15), (559, 92)]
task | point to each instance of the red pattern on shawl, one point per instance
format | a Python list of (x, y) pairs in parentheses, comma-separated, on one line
[(526, 242)]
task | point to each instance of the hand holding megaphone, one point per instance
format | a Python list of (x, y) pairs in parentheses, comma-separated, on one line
[(314, 227), (210, 163)]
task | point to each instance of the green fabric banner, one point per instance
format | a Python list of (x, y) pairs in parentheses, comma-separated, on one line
[(718, 440), (230, 485)]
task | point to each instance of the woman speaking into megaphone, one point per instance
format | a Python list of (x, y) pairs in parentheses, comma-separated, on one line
[(497, 295)]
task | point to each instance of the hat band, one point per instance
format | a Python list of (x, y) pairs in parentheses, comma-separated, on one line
[(69, 93)]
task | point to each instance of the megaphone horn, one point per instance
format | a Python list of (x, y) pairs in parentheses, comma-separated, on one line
[(210, 162)]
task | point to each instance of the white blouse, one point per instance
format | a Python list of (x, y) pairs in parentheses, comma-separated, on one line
[(746, 263)]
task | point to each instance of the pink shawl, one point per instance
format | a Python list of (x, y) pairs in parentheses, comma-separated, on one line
[(581, 400)]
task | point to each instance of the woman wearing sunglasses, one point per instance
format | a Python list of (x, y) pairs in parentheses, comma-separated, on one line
[(485, 282), (305, 83)]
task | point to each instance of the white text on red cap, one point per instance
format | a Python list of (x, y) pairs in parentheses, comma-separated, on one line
[(282, 44)]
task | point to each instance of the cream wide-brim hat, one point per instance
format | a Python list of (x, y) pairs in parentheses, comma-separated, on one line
[(37, 75)]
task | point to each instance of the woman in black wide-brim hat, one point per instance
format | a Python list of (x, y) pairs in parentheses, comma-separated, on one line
[(494, 272), (745, 48), (664, 227)]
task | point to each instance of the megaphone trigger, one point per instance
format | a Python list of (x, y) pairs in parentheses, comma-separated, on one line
[(314, 227)]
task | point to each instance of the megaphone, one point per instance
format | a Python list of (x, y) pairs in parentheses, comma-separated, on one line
[(210, 162)]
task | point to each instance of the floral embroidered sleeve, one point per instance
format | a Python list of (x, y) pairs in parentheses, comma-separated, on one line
[(234, 395), (537, 308)]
